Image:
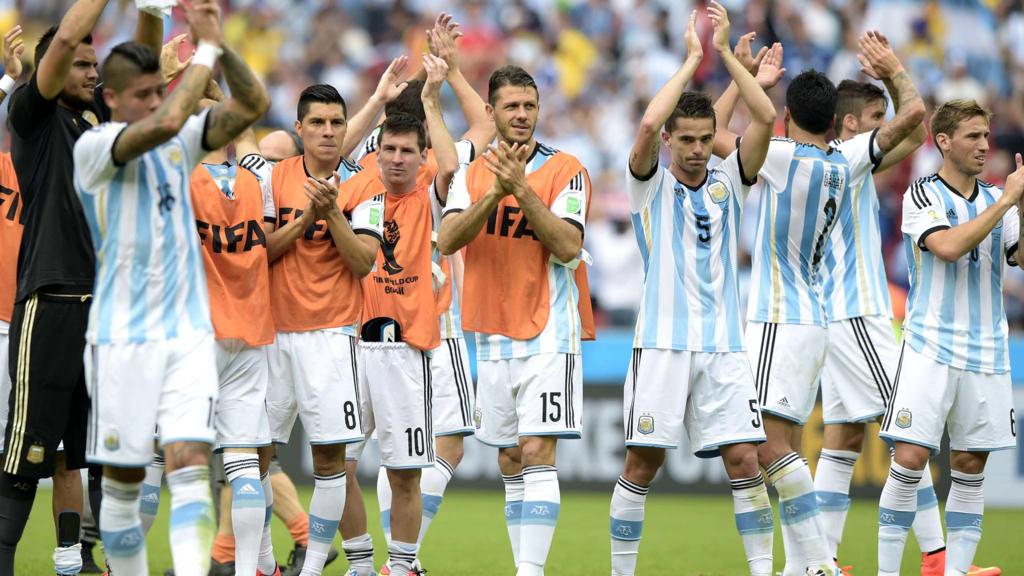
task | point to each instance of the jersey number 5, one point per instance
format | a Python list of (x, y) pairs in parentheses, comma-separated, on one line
[(703, 228)]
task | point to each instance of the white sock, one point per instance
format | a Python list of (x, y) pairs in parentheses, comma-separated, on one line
[(798, 510), (896, 510), (192, 520), (67, 560), (359, 552), (401, 555), (627, 525), (964, 510), (541, 501), (927, 525), (267, 564), (384, 502), (432, 485), (248, 508), (150, 503), (514, 490), (124, 544), (325, 510), (832, 489), (755, 522)]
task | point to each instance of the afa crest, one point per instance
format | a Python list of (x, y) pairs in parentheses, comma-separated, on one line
[(718, 192), (478, 415), (35, 454), (112, 440), (645, 425), (904, 418), (175, 156)]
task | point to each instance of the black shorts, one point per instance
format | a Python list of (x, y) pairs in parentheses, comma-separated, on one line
[(49, 401)]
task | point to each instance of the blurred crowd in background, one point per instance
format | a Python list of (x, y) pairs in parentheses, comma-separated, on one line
[(598, 62)]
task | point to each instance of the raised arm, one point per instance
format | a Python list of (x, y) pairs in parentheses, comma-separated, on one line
[(952, 243), (248, 103), (14, 47), (876, 55), (643, 158), (767, 77), (150, 31), (139, 137), (442, 37), (77, 23), (363, 122), (754, 144), (440, 138)]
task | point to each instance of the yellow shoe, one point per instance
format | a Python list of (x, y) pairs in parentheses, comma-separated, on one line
[(990, 571)]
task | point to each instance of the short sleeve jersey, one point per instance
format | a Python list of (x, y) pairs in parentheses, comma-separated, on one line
[(150, 284), (955, 311)]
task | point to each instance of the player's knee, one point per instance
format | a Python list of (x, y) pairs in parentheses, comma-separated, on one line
[(328, 459), (538, 450), (911, 456), (450, 448), (510, 460), (266, 455), (126, 475), (741, 460), (404, 481), (642, 464), (968, 462), (180, 455)]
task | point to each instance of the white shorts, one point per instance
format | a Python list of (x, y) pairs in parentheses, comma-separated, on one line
[(787, 361), (977, 409), (136, 387), (860, 363), (453, 389), (313, 375), (394, 385), (241, 419), (5, 383), (711, 394), (540, 395)]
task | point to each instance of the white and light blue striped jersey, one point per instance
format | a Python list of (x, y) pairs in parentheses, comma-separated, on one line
[(955, 309), (150, 284), (803, 187), (854, 274), (688, 239), (451, 320), (563, 331)]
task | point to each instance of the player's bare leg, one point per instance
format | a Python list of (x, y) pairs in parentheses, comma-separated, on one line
[(798, 508), (406, 510), (67, 517), (356, 541)]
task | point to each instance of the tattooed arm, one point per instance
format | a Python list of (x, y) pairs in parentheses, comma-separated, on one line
[(248, 102), (877, 55)]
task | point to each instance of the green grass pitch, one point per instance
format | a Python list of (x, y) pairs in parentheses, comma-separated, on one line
[(683, 535)]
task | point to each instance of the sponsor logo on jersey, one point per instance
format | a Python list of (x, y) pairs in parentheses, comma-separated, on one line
[(783, 402), (572, 205), (645, 425), (904, 418)]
